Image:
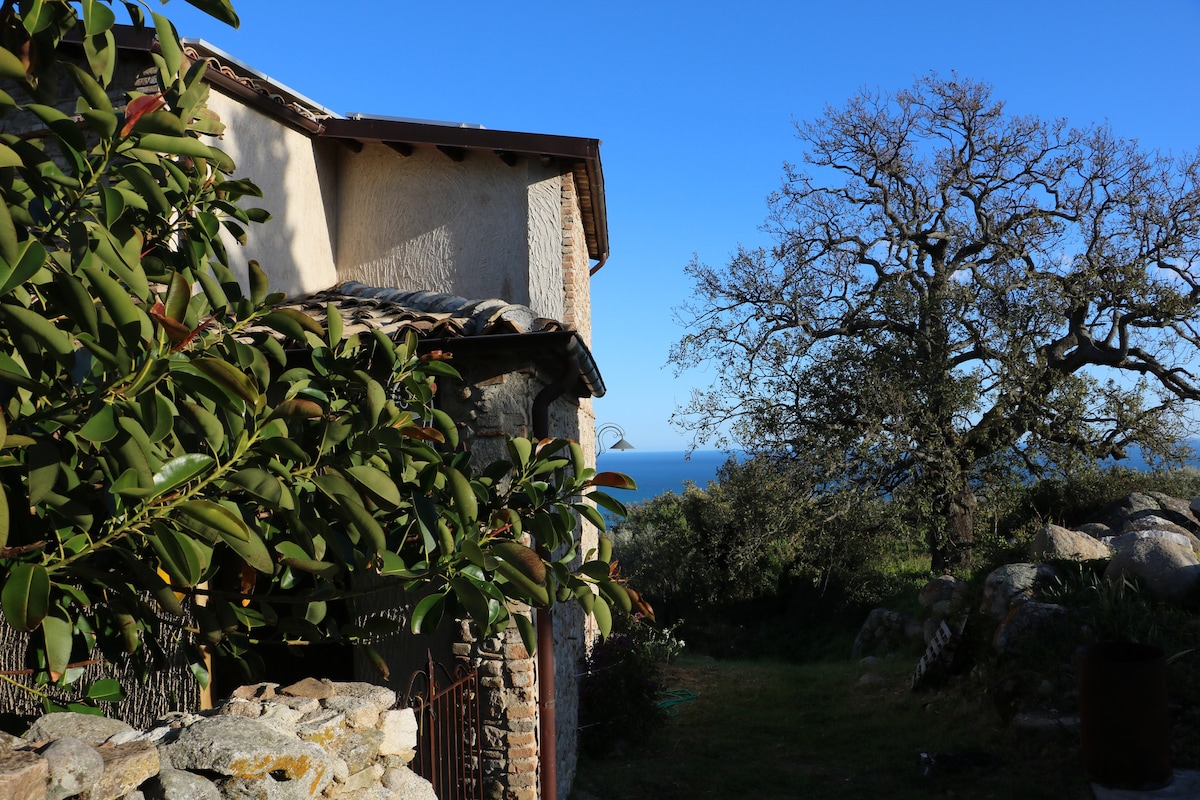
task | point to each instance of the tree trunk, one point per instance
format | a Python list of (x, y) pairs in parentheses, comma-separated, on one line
[(952, 541)]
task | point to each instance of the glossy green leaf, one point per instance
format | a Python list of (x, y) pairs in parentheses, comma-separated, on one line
[(97, 17), (129, 319), (106, 690), (297, 408), (102, 426), (47, 334), (9, 246), (179, 294), (180, 470), (428, 613), (259, 482), (168, 43), (608, 503), (528, 632), (197, 664), (8, 156), (520, 450), (440, 369), (259, 284), (167, 124), (367, 525), (293, 323), (25, 597), (333, 324), (217, 517), (603, 616), (101, 52), (63, 126), (218, 9), (5, 524), (604, 549), (146, 187), (57, 633), (228, 377), (11, 67), (89, 89), (178, 558), (377, 482), (174, 145), (616, 595), (464, 496), (472, 599), (590, 514)]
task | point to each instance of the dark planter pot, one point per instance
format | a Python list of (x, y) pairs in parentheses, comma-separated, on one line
[(1123, 716)]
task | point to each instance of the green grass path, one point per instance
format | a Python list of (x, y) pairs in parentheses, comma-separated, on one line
[(769, 731)]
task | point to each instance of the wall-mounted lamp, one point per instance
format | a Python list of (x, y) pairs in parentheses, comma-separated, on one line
[(620, 444)]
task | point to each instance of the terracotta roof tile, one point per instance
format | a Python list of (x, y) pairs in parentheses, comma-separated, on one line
[(431, 315)]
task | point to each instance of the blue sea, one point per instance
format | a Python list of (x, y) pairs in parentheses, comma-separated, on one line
[(660, 472), (668, 471)]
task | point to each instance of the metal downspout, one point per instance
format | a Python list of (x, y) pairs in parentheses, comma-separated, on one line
[(548, 750)]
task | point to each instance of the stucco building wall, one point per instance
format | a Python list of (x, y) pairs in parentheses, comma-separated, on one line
[(462, 227), (296, 247)]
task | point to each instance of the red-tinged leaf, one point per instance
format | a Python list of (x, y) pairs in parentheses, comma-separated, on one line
[(176, 331), (139, 107), (613, 480), (422, 434), (297, 408)]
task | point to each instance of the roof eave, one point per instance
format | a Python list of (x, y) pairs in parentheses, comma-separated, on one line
[(590, 382)]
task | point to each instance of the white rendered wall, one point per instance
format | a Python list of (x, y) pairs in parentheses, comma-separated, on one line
[(295, 247), (545, 241), (470, 228)]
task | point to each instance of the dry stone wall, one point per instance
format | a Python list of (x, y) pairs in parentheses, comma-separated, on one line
[(313, 740)]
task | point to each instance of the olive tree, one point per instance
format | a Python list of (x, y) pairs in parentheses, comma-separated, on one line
[(954, 290), (179, 451)]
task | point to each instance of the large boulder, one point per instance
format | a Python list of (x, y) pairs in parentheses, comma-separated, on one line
[(1138, 505), (88, 728), (1165, 568), (254, 756), (1011, 585), (883, 632), (1030, 621), (1056, 543), (1128, 539)]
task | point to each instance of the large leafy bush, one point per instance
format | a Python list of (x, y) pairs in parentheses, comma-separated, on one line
[(170, 435)]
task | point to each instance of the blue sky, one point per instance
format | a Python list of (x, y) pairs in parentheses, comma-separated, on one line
[(695, 102)]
